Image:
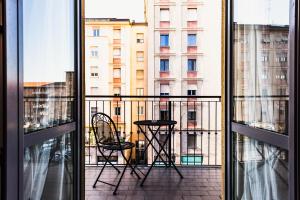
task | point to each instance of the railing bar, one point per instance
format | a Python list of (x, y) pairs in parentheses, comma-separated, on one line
[(279, 108), (201, 128), (187, 132), (208, 132), (195, 133), (138, 106), (124, 120), (153, 110), (89, 134), (131, 121), (173, 148), (180, 133), (216, 139)]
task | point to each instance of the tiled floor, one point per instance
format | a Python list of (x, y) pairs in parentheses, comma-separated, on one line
[(198, 183)]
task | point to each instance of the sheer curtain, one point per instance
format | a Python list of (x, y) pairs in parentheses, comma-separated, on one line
[(48, 171), (36, 161), (264, 171)]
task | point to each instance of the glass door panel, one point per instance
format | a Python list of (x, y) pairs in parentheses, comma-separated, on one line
[(48, 63), (47, 60), (260, 45), (260, 170), (260, 96), (48, 169)]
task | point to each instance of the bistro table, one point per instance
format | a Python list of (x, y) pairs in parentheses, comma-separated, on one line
[(154, 126)]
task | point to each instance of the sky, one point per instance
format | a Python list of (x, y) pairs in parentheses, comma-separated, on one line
[(132, 9)]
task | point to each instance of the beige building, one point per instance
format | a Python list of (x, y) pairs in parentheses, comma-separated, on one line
[(116, 64)]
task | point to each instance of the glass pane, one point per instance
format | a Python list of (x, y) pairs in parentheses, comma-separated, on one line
[(260, 170), (261, 31), (48, 60), (48, 169)]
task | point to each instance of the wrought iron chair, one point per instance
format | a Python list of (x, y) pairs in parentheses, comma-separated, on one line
[(107, 139)]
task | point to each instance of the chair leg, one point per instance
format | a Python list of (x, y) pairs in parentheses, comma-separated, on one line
[(102, 169), (107, 159), (133, 171), (127, 163)]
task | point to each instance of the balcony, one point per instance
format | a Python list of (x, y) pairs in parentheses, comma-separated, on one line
[(195, 149)]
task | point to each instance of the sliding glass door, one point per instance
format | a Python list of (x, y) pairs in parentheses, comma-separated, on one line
[(260, 99)]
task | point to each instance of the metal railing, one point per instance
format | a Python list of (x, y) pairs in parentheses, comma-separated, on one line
[(195, 141)]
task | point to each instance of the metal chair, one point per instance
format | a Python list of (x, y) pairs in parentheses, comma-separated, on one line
[(107, 139)]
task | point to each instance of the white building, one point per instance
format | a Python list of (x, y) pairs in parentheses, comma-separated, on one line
[(184, 58)]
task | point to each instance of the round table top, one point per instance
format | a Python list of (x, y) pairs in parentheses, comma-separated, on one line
[(155, 122)]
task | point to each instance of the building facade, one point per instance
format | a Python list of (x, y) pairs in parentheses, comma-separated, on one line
[(184, 54), (116, 65)]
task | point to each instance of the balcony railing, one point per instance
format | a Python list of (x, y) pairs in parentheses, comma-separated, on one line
[(196, 139)]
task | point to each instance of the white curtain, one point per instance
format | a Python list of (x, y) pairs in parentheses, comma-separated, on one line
[(263, 171)]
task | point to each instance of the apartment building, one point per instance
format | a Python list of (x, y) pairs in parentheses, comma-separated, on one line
[(116, 65), (184, 54)]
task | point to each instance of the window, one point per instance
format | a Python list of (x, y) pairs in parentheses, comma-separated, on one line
[(94, 74), (117, 73), (94, 90), (140, 110), (192, 40), (265, 57), (117, 52), (191, 92), (96, 32), (164, 65), (117, 33), (164, 90), (164, 15), (140, 37), (140, 91), (264, 92), (117, 110), (140, 56), (94, 71), (94, 52), (163, 115), (93, 111), (164, 40), (117, 91), (140, 74), (192, 141), (192, 14), (191, 115), (281, 91), (264, 76), (192, 65)]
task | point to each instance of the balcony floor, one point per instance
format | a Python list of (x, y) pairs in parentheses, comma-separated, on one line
[(198, 183)]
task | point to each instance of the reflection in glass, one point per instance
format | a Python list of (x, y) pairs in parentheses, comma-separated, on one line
[(48, 171), (260, 170), (48, 61), (261, 31)]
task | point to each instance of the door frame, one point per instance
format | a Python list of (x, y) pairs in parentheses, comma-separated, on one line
[(290, 142), (14, 139)]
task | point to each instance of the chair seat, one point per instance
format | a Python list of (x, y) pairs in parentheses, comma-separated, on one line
[(117, 147)]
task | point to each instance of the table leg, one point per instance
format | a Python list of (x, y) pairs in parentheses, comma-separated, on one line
[(162, 149), (149, 143)]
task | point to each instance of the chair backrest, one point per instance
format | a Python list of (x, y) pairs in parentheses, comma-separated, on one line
[(105, 130)]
